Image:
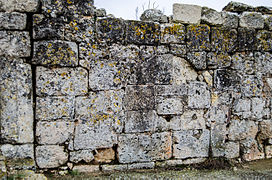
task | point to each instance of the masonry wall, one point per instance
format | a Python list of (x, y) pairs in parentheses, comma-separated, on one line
[(84, 91)]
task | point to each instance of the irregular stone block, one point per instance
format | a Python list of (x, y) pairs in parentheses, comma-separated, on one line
[(246, 39), (224, 39), (147, 165), (251, 86), (226, 80), (82, 155), (50, 156), (191, 143), (265, 130), (55, 53), (244, 63), (144, 147), (14, 21), (187, 13), (182, 71), (268, 21), (61, 81), (264, 40), (218, 114), (197, 59), (19, 5), (251, 150), (86, 168), (139, 98), (142, 32), (252, 20), (237, 7), (178, 50), (198, 95), (104, 155), (258, 105), (232, 150), (16, 112), (208, 78), (173, 33), (171, 90), (15, 44), (3, 170), (230, 20), (53, 108), (110, 29), (154, 15), (242, 107), (168, 106), (119, 167), (263, 61), (241, 129), (17, 151), (268, 151), (211, 16), (198, 37), (54, 132)]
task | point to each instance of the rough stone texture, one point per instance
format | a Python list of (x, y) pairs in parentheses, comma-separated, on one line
[(186, 13), (211, 16), (268, 21), (50, 156), (264, 62), (252, 86), (241, 129), (155, 15), (16, 112), (257, 108), (237, 7), (230, 20), (149, 165), (191, 143), (223, 39), (198, 95), (264, 40), (118, 167), (247, 39), (104, 155), (218, 60), (17, 151), (54, 132), (15, 44), (14, 21), (173, 33), (82, 155), (265, 130), (86, 168), (244, 63), (242, 108), (19, 5), (251, 150), (226, 80), (252, 20), (61, 81), (144, 147), (198, 37), (167, 106), (197, 59)]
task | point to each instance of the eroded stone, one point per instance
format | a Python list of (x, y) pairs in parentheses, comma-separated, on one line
[(14, 21), (187, 13)]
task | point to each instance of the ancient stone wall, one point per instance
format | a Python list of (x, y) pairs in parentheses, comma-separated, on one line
[(84, 91)]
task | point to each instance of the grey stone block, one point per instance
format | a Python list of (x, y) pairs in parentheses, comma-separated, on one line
[(241, 129), (252, 20), (211, 16), (17, 151), (197, 59), (19, 5), (168, 106), (187, 13), (230, 20), (81, 155), (14, 21), (198, 95), (173, 33), (198, 37)]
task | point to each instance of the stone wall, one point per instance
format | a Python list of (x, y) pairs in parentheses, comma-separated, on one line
[(84, 91)]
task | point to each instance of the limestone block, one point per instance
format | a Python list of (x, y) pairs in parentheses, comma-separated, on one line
[(257, 108), (104, 155), (247, 39), (118, 167), (230, 20), (268, 151), (19, 5), (17, 151), (242, 107), (211, 16), (139, 98), (61, 81), (264, 62), (173, 33), (264, 40), (50, 156), (178, 162), (178, 50), (237, 7), (144, 148), (218, 114), (3, 170), (251, 86), (171, 90), (138, 32), (15, 44), (182, 71), (232, 150), (187, 13), (198, 37), (198, 95), (81, 155), (265, 130), (110, 29), (154, 15), (224, 39), (54, 132), (268, 21), (191, 143), (252, 20), (14, 21), (56, 52), (241, 129), (251, 150), (197, 59), (244, 63), (168, 106), (226, 80), (16, 112), (53, 108), (86, 168), (147, 165)]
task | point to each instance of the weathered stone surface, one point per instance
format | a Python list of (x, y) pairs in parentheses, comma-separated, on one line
[(14, 21), (257, 108), (61, 81), (265, 130), (171, 90), (86, 168), (223, 39), (104, 155), (244, 63), (3, 170), (246, 39), (17, 151), (168, 106), (198, 95), (252, 20), (154, 15), (226, 80), (173, 33), (232, 150), (198, 37), (142, 32), (118, 167), (54, 132), (268, 21), (197, 59), (208, 78), (100, 12), (82, 155), (237, 7), (241, 129), (16, 112), (53, 108), (50, 156), (144, 147), (251, 86), (251, 150), (148, 165), (264, 62), (55, 53), (268, 151), (218, 114), (187, 13), (264, 40), (19, 5), (191, 143), (178, 50), (15, 44), (178, 162), (211, 16), (230, 20), (242, 108)]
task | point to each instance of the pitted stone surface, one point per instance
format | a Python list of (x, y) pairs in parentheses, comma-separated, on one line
[(173, 33), (264, 40), (187, 13), (239, 130), (252, 20), (218, 60), (198, 37), (197, 59), (19, 5), (168, 106), (81, 155), (198, 95), (14, 21), (17, 151), (224, 39)]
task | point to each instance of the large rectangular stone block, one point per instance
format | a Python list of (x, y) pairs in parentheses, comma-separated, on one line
[(198, 37), (187, 13), (246, 39), (198, 95), (19, 5), (14, 21), (224, 39), (264, 40), (252, 20), (173, 33), (17, 151), (61, 81), (170, 105), (144, 147), (16, 99)]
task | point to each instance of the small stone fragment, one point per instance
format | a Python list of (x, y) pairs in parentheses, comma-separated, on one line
[(154, 15)]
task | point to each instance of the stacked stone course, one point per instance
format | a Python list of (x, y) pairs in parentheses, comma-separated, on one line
[(84, 91)]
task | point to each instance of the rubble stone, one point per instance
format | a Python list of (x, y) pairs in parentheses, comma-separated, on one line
[(211, 16), (85, 155)]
